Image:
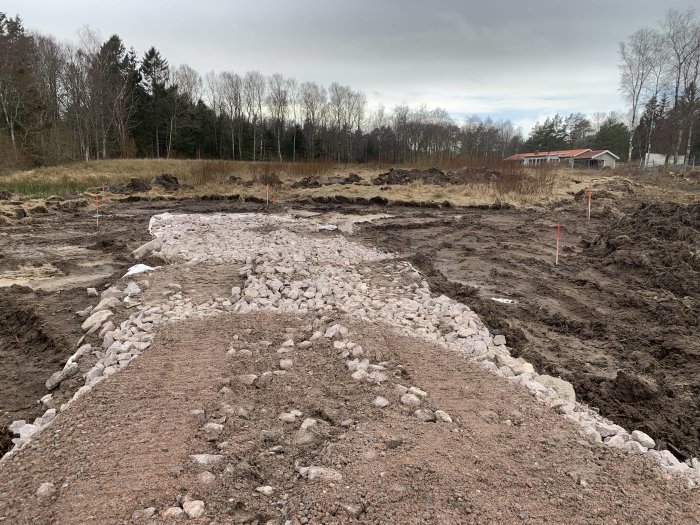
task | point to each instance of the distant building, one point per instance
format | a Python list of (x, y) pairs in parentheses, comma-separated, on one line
[(574, 157), (659, 159)]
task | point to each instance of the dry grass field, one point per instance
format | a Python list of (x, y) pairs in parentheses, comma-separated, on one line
[(205, 177)]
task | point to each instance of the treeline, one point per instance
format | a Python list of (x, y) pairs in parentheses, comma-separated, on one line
[(96, 99), (577, 131), (659, 74)]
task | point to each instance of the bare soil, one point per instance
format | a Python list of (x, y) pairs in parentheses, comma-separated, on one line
[(618, 318), (46, 264), (504, 459)]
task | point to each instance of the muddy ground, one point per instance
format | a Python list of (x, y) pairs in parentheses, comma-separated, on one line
[(618, 317), (46, 263)]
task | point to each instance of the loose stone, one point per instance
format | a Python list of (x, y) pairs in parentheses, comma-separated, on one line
[(410, 400), (381, 402), (424, 415), (45, 490), (194, 509)]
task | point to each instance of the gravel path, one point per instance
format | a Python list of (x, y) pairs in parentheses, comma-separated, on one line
[(126, 446), (119, 444)]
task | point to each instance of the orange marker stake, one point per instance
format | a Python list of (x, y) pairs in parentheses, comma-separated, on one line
[(590, 197), (556, 259)]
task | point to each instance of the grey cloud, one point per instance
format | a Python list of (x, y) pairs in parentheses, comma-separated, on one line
[(467, 56)]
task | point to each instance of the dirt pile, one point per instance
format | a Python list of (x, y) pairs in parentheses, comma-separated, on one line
[(438, 177), (402, 176), (167, 181), (317, 182), (135, 185), (661, 242), (235, 180), (470, 174)]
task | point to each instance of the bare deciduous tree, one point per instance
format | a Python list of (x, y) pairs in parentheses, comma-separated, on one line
[(313, 100), (232, 95), (680, 38), (277, 101), (253, 97), (636, 66)]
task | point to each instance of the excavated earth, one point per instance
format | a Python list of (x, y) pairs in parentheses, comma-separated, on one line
[(618, 318)]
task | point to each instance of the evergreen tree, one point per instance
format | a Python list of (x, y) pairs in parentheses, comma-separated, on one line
[(154, 72), (613, 135), (552, 135)]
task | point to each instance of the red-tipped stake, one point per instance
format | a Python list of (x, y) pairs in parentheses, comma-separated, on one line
[(556, 258)]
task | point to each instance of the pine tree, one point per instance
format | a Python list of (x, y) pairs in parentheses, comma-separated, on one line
[(154, 72)]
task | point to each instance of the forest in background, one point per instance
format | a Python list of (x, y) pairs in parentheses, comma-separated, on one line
[(96, 99)]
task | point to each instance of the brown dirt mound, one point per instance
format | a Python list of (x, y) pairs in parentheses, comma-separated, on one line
[(167, 181), (661, 242), (401, 176), (317, 182), (481, 174), (435, 176)]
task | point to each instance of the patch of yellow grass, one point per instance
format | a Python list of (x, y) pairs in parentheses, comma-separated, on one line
[(202, 177)]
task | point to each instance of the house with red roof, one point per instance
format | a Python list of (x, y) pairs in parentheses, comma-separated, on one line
[(586, 158)]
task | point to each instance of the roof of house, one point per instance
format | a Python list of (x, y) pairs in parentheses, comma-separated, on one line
[(578, 154), (559, 153), (592, 154)]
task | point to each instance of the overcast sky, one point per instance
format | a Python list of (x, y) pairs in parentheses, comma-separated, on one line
[(508, 59)]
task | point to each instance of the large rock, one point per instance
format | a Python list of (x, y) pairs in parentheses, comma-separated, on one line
[(172, 512), (643, 439), (149, 247), (96, 319), (57, 378), (564, 389), (132, 289), (321, 474), (410, 400), (381, 402), (424, 415)]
